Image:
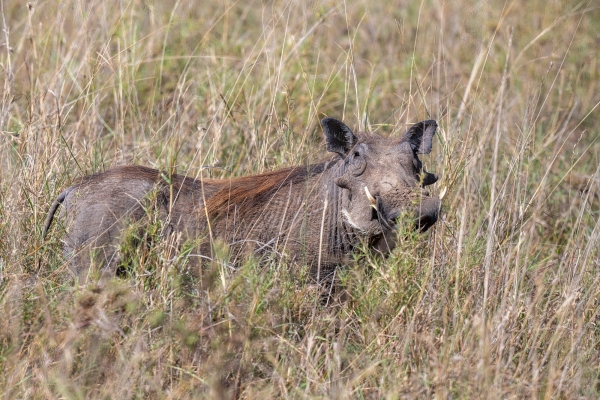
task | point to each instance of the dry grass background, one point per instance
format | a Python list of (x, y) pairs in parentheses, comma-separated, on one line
[(499, 300)]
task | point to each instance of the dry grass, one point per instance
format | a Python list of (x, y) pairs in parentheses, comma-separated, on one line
[(499, 300)]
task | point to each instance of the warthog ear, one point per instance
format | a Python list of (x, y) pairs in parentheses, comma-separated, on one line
[(340, 138), (420, 136)]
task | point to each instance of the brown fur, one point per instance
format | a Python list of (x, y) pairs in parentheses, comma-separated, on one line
[(249, 192)]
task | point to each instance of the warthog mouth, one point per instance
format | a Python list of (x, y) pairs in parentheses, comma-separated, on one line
[(385, 220), (379, 222), (426, 213)]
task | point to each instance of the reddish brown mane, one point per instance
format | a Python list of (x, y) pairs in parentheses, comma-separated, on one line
[(245, 193), (248, 192)]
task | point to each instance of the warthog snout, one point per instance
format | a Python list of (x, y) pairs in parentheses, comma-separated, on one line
[(427, 212)]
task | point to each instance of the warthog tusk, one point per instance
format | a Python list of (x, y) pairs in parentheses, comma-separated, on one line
[(371, 198), (443, 193)]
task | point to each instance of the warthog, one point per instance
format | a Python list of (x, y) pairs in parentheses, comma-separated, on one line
[(315, 214)]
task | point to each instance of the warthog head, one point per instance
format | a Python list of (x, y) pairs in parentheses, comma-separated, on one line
[(382, 178)]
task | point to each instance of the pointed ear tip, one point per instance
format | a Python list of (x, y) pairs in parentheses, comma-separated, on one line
[(424, 124), (429, 126), (327, 121), (429, 123)]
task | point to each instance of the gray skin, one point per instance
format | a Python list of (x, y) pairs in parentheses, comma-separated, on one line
[(316, 215)]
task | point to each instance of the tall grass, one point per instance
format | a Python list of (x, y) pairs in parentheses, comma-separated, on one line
[(498, 300)]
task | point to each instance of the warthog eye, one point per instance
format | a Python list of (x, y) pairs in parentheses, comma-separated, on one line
[(357, 163)]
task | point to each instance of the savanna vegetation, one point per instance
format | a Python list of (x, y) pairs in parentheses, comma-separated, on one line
[(500, 299)]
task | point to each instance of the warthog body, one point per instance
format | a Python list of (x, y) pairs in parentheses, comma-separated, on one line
[(313, 214)]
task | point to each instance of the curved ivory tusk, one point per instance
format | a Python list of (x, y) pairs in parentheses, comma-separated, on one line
[(371, 198), (442, 193)]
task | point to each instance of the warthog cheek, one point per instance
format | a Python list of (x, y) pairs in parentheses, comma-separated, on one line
[(349, 220)]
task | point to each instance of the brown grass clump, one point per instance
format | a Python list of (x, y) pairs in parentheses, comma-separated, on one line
[(499, 300)]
